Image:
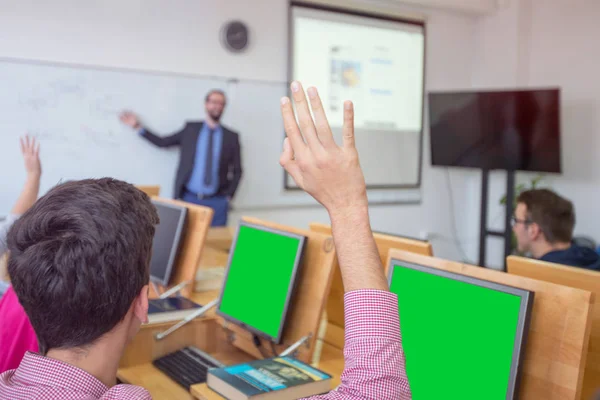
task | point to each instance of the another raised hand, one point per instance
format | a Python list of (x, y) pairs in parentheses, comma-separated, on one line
[(30, 149)]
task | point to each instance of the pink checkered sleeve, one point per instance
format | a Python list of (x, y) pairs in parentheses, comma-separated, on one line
[(373, 355), (126, 392)]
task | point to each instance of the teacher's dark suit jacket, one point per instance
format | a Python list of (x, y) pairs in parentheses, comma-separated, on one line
[(230, 165)]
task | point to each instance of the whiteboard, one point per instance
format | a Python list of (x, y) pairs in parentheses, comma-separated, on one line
[(73, 111)]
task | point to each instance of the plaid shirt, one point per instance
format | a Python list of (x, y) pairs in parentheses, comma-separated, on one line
[(40, 377), (373, 355), (374, 362)]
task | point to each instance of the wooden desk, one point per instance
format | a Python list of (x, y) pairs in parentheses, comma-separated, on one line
[(220, 238), (576, 278), (192, 242), (162, 387), (212, 257), (136, 365), (211, 271), (558, 334), (150, 190), (205, 333), (335, 302), (332, 362), (228, 342)]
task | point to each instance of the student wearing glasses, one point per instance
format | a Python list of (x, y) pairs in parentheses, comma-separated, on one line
[(543, 224)]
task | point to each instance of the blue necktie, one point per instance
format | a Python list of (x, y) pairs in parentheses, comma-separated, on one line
[(208, 166)]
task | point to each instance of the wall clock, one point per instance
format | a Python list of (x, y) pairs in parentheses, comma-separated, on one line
[(235, 36)]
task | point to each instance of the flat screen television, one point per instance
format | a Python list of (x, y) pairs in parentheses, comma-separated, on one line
[(517, 130)]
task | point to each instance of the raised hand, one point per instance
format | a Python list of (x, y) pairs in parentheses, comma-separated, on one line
[(328, 172), (130, 119), (30, 149)]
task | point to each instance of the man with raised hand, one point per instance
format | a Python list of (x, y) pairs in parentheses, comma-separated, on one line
[(374, 359)]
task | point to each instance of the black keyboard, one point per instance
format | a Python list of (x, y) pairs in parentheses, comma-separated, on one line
[(187, 366)]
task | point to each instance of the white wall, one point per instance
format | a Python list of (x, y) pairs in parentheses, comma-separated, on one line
[(536, 43), (183, 36), (175, 36), (468, 6)]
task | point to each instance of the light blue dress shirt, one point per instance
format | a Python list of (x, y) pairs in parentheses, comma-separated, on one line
[(196, 182)]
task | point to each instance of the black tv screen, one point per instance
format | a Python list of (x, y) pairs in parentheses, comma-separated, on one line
[(508, 130)]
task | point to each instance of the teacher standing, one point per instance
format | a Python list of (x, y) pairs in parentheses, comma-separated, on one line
[(210, 165)]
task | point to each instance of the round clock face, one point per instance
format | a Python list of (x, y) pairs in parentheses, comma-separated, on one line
[(235, 36)]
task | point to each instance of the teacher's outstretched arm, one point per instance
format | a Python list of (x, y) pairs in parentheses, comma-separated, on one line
[(132, 120)]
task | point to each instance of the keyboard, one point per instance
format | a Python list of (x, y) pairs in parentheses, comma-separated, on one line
[(187, 366)]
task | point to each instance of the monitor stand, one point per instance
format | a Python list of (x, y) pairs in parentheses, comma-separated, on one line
[(158, 289), (162, 291), (294, 347), (484, 231)]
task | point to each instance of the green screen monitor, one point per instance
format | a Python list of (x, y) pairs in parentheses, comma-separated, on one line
[(260, 279), (463, 337)]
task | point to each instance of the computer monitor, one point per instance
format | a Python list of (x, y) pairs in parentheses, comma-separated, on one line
[(463, 337), (167, 239), (260, 279)]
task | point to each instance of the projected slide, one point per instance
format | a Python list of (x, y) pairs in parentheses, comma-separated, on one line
[(379, 66)]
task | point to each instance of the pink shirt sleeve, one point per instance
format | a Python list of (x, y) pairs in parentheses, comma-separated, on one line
[(373, 355), (126, 392), (16, 333)]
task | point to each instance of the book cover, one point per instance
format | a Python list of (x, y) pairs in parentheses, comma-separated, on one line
[(279, 374)]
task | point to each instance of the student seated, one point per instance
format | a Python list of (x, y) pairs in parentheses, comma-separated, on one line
[(79, 264), (16, 334), (80, 267), (30, 151), (543, 224)]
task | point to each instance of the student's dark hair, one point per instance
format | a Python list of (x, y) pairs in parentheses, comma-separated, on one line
[(79, 257), (554, 214), (214, 91)]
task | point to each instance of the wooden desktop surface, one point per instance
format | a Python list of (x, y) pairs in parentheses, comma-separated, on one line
[(146, 374), (558, 335), (576, 278), (220, 238), (161, 386), (335, 303), (332, 362), (214, 255), (152, 379)]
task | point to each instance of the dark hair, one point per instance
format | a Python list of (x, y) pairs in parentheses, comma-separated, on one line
[(214, 91), (554, 214), (79, 257)]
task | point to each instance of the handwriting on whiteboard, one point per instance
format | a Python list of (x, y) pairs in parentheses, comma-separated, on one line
[(66, 101)]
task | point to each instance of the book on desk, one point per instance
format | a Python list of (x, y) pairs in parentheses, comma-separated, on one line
[(273, 378)]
